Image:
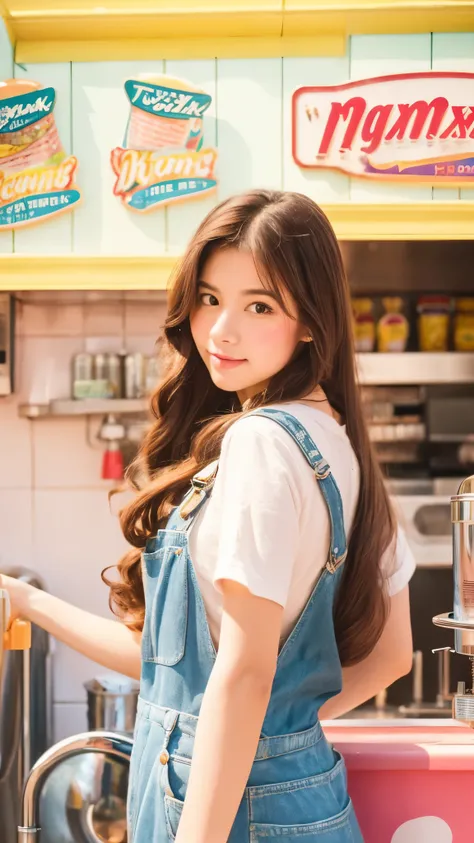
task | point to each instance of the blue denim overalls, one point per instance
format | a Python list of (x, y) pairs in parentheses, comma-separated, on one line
[(297, 787)]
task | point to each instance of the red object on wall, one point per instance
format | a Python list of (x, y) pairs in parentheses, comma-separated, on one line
[(112, 463)]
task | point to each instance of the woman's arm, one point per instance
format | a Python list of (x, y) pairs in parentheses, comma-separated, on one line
[(232, 713), (105, 641), (390, 659)]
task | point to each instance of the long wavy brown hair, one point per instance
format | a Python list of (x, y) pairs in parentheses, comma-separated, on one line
[(295, 252)]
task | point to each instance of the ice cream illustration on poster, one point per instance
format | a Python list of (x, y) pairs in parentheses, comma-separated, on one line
[(163, 159), (37, 177)]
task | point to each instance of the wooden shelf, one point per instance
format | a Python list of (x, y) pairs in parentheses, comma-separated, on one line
[(88, 30)]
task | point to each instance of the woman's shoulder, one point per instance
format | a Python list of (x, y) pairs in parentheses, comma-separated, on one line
[(267, 442), (317, 424)]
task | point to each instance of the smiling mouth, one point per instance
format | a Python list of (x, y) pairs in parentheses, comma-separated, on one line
[(229, 359)]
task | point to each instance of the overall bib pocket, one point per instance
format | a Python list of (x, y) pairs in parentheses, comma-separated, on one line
[(165, 582)]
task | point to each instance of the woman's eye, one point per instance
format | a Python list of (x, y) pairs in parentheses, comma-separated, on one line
[(262, 307), (208, 296)]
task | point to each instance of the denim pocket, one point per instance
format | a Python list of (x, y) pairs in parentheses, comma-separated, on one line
[(337, 829), (311, 806), (165, 575), (173, 811)]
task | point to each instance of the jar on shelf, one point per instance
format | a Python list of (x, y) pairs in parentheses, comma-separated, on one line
[(364, 324), (464, 325), (433, 322), (392, 328)]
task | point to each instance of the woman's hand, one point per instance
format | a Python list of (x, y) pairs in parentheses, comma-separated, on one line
[(18, 591)]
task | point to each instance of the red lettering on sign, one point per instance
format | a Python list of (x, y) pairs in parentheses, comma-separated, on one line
[(374, 127), (353, 111), (459, 127), (420, 111)]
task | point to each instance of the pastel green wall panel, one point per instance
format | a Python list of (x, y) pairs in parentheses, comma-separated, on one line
[(102, 224), (322, 185), (183, 218), (454, 51), (249, 124), (380, 55)]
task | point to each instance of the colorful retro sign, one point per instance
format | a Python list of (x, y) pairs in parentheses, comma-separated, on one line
[(414, 127), (163, 159), (37, 177)]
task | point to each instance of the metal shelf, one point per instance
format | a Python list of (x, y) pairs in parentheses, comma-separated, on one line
[(415, 368), (84, 407), (374, 370)]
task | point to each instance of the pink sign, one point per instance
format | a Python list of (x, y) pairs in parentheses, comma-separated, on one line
[(417, 127)]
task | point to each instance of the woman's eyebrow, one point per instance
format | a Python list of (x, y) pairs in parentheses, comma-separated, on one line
[(259, 292)]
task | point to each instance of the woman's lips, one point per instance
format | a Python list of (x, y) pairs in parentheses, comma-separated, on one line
[(225, 362)]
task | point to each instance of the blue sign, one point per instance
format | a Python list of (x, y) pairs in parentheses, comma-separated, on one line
[(166, 102), (31, 208), (18, 112), (166, 191)]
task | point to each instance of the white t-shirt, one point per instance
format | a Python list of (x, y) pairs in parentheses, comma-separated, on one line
[(266, 524)]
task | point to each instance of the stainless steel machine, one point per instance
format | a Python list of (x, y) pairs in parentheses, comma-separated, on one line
[(461, 619), (25, 706)]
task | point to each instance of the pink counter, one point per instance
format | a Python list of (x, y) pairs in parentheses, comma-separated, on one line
[(411, 781)]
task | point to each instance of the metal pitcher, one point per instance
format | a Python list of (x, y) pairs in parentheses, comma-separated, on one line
[(461, 619)]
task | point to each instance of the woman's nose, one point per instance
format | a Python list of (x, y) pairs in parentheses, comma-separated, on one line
[(224, 329)]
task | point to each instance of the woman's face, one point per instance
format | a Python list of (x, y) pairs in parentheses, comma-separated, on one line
[(236, 318)]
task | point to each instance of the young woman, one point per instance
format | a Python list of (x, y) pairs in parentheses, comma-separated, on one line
[(267, 587)]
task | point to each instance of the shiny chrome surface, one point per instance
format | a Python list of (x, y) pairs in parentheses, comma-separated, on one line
[(461, 620), (96, 818), (25, 721), (111, 711), (462, 515), (448, 621)]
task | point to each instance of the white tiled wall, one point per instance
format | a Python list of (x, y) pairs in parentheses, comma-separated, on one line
[(54, 512)]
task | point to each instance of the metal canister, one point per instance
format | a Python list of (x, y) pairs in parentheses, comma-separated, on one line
[(82, 369), (462, 517), (114, 373), (129, 377), (135, 375), (82, 366), (152, 374), (100, 367)]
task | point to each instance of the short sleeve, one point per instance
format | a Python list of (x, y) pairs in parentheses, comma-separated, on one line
[(258, 529), (398, 563)]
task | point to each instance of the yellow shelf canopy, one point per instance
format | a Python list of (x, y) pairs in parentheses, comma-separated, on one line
[(417, 221), (92, 30)]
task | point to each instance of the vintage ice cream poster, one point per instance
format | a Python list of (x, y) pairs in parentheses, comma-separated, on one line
[(37, 177), (163, 158), (416, 127)]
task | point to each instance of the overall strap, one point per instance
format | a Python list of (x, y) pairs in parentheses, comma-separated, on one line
[(322, 473), (201, 487), (202, 483)]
